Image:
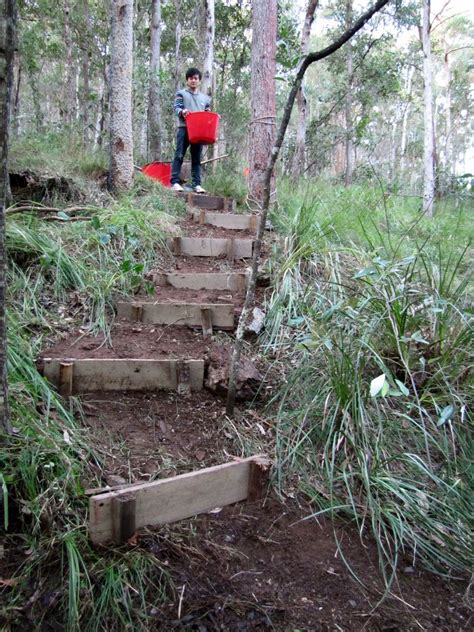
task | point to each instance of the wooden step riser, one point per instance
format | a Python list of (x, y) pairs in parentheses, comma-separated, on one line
[(209, 202), (219, 281), (74, 376), (229, 221), (209, 247), (189, 314), (115, 516)]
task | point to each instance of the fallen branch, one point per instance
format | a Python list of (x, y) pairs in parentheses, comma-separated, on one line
[(48, 209), (249, 298)]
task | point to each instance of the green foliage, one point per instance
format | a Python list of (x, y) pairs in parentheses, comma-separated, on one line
[(372, 307)]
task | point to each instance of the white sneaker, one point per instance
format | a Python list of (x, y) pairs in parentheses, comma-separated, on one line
[(199, 189), (177, 187)]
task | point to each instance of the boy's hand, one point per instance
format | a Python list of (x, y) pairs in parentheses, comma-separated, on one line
[(184, 113)]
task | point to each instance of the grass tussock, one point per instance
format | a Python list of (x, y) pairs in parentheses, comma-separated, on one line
[(372, 310)]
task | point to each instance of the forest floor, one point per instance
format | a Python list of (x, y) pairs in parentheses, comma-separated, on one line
[(251, 566)]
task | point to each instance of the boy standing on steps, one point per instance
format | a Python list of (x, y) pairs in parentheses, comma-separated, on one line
[(188, 100)]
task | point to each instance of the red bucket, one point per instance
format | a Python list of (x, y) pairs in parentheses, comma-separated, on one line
[(160, 171), (202, 127)]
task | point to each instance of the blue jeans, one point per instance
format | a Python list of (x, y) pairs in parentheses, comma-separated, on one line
[(182, 143)]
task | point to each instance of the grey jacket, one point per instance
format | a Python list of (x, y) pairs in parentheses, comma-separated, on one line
[(192, 101)]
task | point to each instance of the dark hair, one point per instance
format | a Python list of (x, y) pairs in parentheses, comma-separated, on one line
[(190, 72)]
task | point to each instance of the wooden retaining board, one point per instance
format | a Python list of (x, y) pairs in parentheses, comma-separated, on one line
[(172, 499), (209, 202), (221, 281), (232, 221), (117, 374), (212, 247), (190, 314)]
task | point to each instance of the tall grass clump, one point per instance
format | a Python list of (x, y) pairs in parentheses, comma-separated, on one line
[(374, 417)]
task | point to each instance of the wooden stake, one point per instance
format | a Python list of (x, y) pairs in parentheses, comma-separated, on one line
[(183, 378), (176, 246), (124, 517), (137, 311), (231, 250), (202, 216), (258, 479), (253, 222), (206, 320), (66, 370)]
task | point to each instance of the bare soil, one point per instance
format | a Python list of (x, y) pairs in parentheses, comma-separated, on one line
[(190, 228)]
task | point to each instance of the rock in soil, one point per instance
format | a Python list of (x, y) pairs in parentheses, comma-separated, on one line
[(248, 380)]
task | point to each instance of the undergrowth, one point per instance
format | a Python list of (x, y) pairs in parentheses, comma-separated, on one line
[(372, 309), (62, 273)]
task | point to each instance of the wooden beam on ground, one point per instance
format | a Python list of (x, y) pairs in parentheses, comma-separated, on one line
[(155, 313), (118, 374), (222, 281), (211, 247), (172, 499), (231, 221)]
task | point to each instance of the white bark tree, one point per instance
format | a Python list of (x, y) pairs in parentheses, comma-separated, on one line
[(208, 62), (429, 140), (121, 66), (348, 104), (301, 101), (263, 93), (154, 105), (7, 39)]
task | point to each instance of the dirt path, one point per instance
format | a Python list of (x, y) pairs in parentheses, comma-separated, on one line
[(253, 566)]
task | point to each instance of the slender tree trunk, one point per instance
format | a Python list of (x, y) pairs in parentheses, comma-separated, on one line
[(263, 93), (349, 144), (449, 167), (7, 45), (68, 104), (85, 71), (154, 106), (177, 48), (207, 71), (428, 145), (15, 116), (272, 158), (406, 114), (302, 103), (121, 66)]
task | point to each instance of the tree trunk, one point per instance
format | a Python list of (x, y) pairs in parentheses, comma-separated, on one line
[(207, 71), (7, 46), (121, 65), (300, 146), (69, 92), (263, 93), (406, 113), (349, 144), (154, 105), (177, 48), (428, 145), (15, 115), (449, 168), (85, 70)]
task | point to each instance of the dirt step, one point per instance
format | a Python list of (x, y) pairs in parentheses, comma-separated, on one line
[(209, 247), (230, 221), (209, 202), (206, 315), (221, 281)]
